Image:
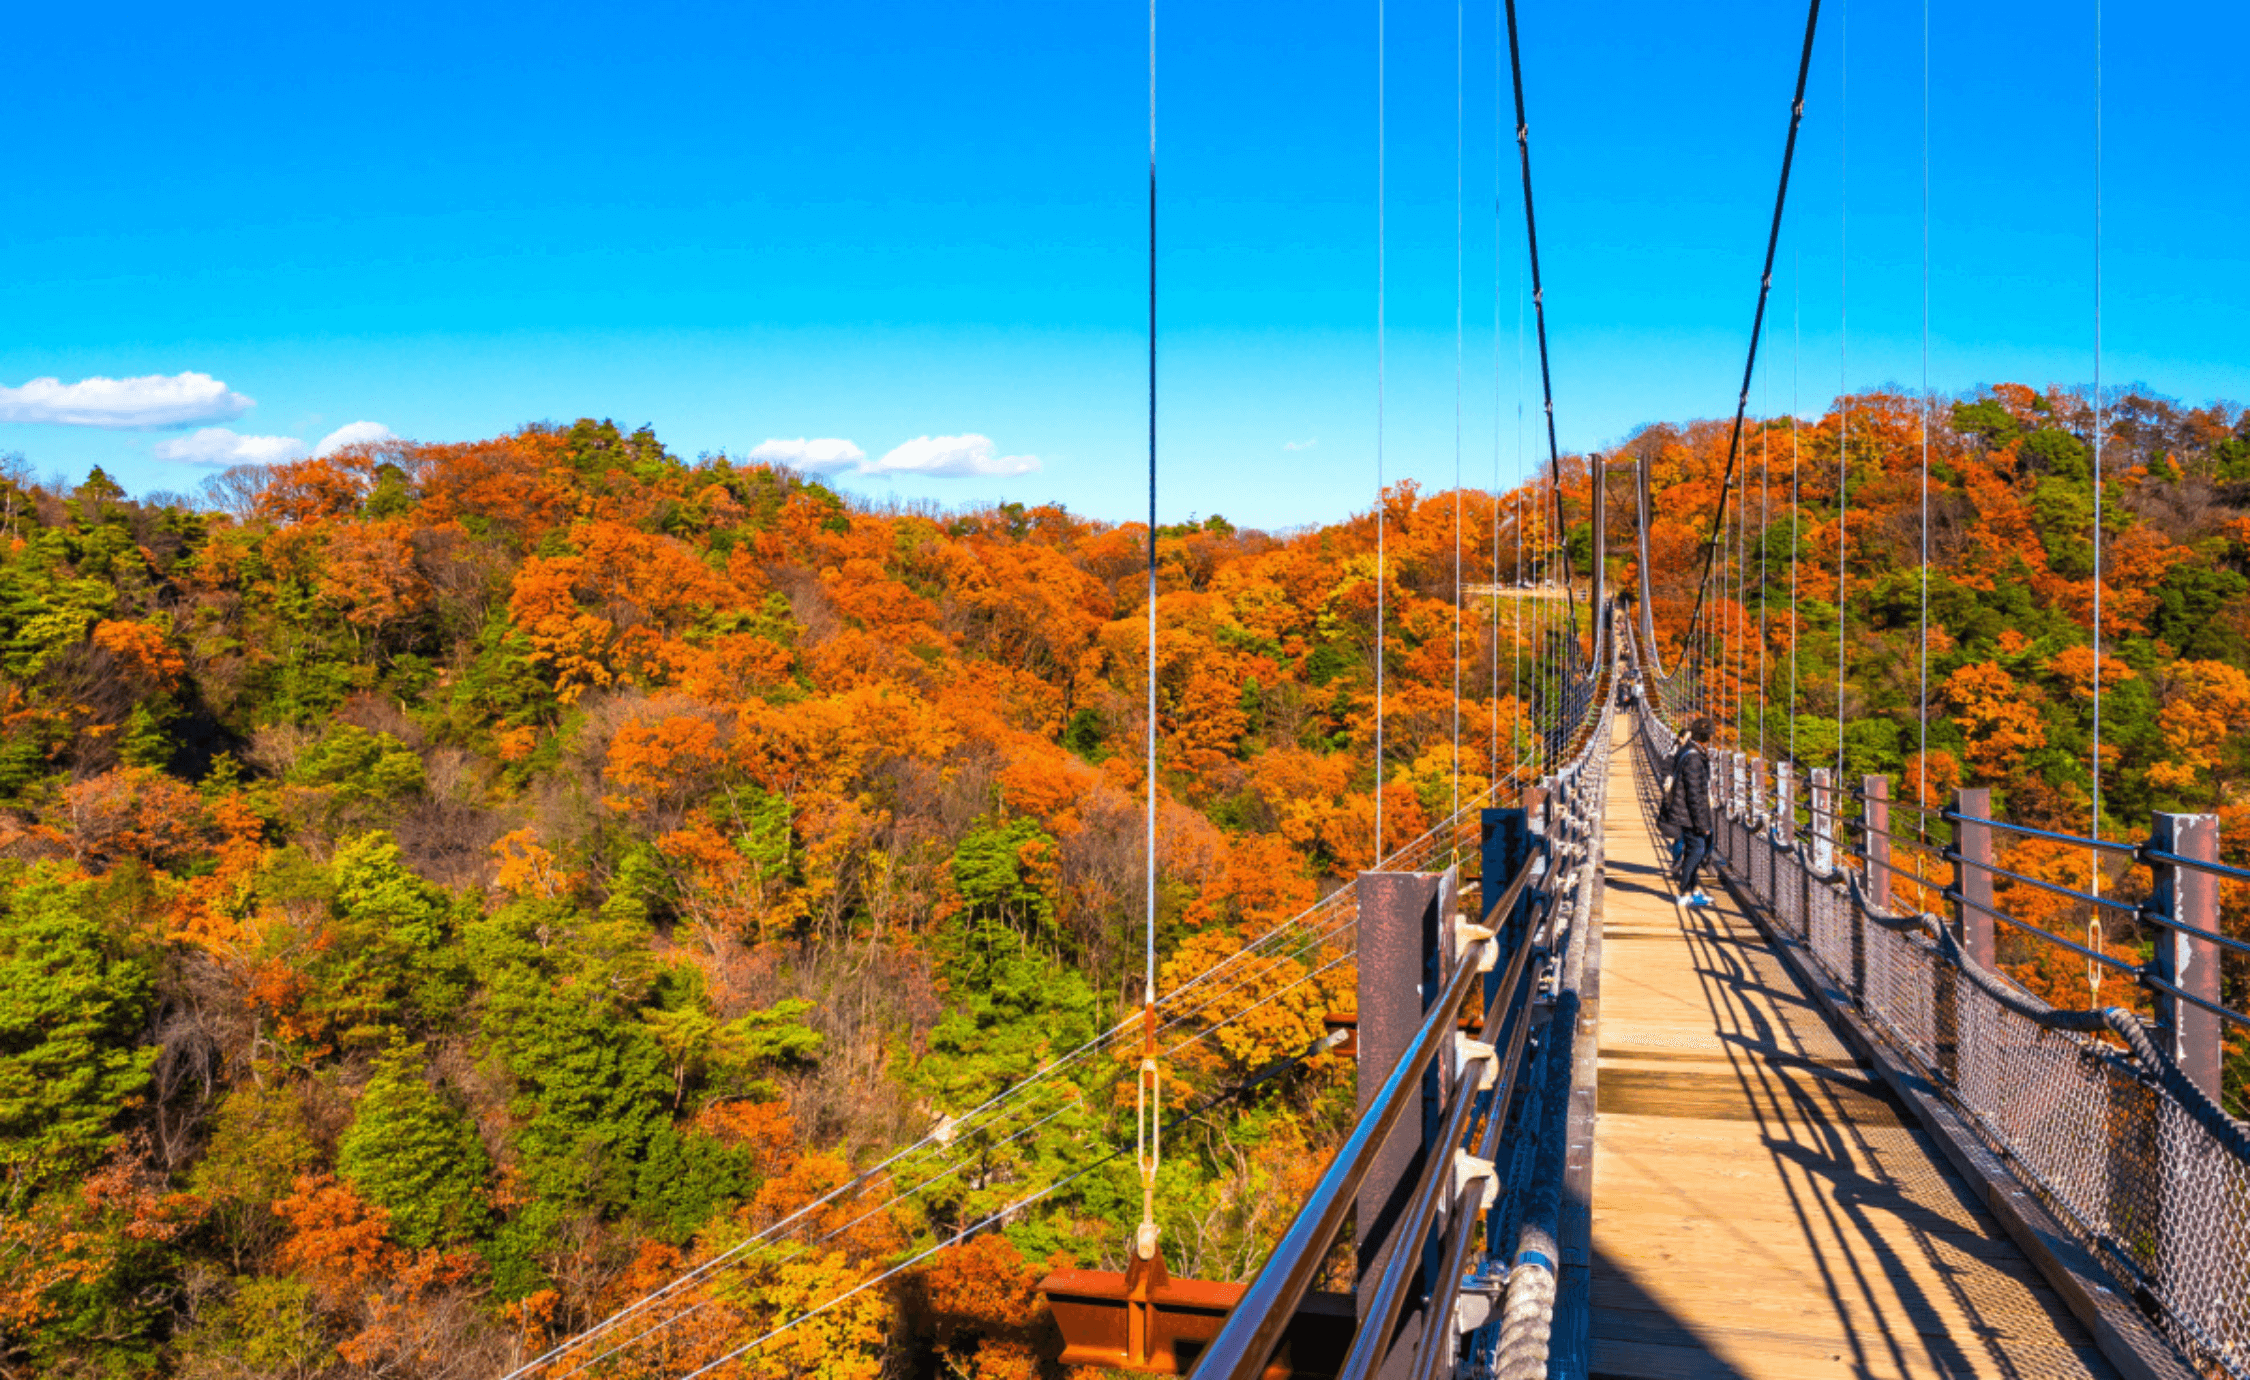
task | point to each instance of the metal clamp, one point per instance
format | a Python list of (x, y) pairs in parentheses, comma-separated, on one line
[(1467, 933), (1467, 1168), (1479, 1298), (1466, 1050)]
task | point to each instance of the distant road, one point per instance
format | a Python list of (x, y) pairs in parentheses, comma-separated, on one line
[(1554, 592)]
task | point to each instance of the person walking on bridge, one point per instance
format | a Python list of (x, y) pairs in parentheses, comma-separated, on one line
[(1687, 808)]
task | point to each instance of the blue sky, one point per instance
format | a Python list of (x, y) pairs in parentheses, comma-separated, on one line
[(878, 223)]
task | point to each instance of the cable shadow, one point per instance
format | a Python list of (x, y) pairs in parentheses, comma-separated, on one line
[(1914, 1277)]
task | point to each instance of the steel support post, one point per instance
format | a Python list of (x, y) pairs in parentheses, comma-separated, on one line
[(2187, 896), (1823, 823), (1598, 471), (1875, 841), (1972, 874), (1405, 922)]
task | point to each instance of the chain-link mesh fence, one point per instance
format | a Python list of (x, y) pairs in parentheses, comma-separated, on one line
[(2131, 1156)]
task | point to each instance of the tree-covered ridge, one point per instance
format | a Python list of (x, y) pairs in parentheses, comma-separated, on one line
[(2011, 599), (451, 889)]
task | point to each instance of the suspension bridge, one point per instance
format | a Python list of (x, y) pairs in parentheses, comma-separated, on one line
[(1808, 1126)]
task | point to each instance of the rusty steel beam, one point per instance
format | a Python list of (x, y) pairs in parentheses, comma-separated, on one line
[(1144, 1320)]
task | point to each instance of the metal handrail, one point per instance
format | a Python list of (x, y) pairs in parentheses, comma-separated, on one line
[(1382, 1310), (2129, 849), (1952, 855), (2216, 869), (1254, 1327)]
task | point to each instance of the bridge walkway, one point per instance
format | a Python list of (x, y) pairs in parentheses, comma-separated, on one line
[(1761, 1206)]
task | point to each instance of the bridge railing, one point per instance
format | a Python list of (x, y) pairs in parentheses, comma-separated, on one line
[(2091, 1110), (1484, 1206)]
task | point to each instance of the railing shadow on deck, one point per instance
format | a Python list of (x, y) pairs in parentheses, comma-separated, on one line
[(1816, 1124)]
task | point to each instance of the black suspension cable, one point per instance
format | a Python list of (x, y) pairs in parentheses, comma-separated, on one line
[(1539, 308), (1765, 287)]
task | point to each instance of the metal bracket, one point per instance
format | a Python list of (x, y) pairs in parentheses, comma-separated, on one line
[(1466, 1049), (1479, 1298), (1466, 933), (1467, 1167)]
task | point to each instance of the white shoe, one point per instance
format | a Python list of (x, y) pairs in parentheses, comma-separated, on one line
[(1687, 900)]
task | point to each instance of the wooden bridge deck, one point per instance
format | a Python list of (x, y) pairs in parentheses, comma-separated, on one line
[(1761, 1206)]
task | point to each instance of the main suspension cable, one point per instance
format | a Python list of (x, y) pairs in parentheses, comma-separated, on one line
[(1539, 304), (1765, 285)]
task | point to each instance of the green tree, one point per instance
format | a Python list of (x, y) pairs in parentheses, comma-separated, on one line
[(391, 954), (356, 767), (72, 1005), (412, 1152), (260, 1142)]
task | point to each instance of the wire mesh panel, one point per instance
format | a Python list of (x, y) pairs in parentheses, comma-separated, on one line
[(2148, 1184), (1900, 987), (1828, 928)]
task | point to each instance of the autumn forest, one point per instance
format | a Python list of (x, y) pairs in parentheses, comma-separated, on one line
[(451, 890)]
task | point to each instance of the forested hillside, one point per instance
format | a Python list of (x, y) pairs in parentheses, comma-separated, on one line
[(451, 889), (2010, 618)]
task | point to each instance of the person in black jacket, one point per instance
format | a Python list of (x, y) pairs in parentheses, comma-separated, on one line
[(1687, 808)]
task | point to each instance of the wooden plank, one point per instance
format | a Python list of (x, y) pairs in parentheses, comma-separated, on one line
[(1763, 1206), (2031, 1315), (1878, 1351), (1784, 1094)]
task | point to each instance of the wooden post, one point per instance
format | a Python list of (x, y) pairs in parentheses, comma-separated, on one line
[(1972, 874), (2189, 895), (1875, 841)]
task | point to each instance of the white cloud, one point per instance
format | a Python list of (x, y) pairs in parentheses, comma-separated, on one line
[(1300, 445), (353, 434), (951, 456), (827, 455), (152, 400), (215, 445)]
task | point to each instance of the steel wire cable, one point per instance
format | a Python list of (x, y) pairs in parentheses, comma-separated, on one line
[(1382, 572), (1922, 682), (2093, 856), (965, 1124), (1765, 285), (1843, 360), (1538, 300), (1458, 107), (1796, 536), (963, 1127)]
